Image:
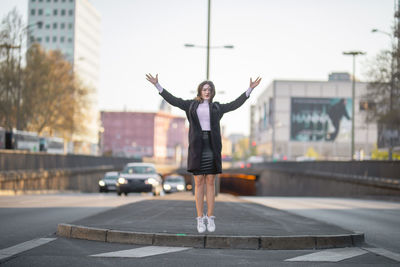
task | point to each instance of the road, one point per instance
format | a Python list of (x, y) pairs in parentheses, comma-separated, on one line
[(379, 220), (28, 224), (26, 217)]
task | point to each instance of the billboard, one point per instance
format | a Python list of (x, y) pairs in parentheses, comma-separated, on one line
[(320, 119)]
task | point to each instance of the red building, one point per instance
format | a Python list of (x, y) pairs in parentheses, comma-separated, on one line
[(161, 135)]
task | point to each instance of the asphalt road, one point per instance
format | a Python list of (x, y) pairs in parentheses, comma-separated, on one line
[(26, 217), (379, 220), (28, 224)]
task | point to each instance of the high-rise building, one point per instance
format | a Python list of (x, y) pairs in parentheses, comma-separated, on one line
[(73, 27)]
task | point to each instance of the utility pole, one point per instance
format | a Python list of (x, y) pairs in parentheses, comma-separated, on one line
[(208, 39)]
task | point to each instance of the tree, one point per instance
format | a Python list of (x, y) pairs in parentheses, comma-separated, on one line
[(10, 60), (43, 96), (383, 94)]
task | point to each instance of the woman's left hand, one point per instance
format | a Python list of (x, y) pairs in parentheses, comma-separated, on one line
[(255, 83)]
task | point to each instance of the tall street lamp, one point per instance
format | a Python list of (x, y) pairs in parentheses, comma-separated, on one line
[(354, 54), (208, 42)]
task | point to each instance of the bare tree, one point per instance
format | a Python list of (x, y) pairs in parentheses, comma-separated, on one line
[(10, 60), (383, 92)]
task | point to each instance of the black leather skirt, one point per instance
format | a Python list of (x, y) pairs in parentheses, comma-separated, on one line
[(207, 165)]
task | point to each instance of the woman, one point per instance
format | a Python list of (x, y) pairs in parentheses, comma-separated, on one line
[(204, 157)]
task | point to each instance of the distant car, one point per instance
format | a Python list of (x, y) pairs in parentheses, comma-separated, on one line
[(139, 177), (174, 183), (109, 182)]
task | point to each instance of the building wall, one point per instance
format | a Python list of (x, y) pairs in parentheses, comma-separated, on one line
[(272, 121), (156, 135), (73, 27)]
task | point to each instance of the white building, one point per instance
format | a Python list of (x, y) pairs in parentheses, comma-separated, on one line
[(293, 119), (72, 26)]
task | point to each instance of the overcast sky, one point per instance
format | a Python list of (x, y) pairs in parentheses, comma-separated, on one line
[(285, 39)]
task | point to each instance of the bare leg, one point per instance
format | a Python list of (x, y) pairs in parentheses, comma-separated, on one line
[(199, 194), (210, 194)]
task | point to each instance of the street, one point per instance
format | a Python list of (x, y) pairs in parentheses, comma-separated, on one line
[(29, 222)]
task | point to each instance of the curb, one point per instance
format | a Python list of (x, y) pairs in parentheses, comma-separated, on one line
[(212, 241)]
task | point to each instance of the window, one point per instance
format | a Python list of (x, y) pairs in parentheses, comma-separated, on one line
[(32, 39), (40, 12), (54, 39), (40, 1), (55, 12), (62, 39), (47, 39), (48, 1), (70, 26), (71, 12), (54, 25), (39, 39), (71, 1), (33, 12), (47, 26), (55, 1), (63, 1), (33, 1), (62, 25), (62, 12), (40, 25), (70, 40)]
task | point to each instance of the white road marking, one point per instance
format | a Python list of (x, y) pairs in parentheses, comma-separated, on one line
[(8, 252), (141, 252), (385, 253), (331, 255)]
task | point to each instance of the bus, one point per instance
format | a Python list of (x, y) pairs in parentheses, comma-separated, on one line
[(22, 140), (52, 145)]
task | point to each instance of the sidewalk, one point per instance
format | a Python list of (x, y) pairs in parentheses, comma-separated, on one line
[(170, 220)]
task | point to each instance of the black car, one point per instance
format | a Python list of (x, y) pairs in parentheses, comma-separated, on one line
[(109, 182), (139, 177)]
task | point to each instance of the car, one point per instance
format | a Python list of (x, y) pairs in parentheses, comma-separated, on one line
[(109, 182), (174, 183), (139, 177)]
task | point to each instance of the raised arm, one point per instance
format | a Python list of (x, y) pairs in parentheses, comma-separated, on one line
[(174, 101), (241, 99)]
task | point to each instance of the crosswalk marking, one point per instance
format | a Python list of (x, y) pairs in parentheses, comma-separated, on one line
[(331, 255), (385, 253), (141, 252), (8, 252)]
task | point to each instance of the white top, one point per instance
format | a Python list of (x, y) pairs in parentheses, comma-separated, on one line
[(203, 110)]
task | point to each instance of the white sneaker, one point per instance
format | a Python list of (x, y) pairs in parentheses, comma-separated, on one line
[(201, 227), (210, 223)]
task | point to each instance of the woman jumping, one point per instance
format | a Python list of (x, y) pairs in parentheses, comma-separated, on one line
[(204, 157)]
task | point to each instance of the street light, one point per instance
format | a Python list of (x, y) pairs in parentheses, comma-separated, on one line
[(208, 42), (354, 54)]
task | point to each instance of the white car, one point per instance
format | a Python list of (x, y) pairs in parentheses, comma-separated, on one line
[(139, 177)]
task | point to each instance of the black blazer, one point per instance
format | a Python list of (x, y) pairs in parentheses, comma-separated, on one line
[(217, 110)]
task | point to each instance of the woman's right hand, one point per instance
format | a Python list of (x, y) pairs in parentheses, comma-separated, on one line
[(151, 79)]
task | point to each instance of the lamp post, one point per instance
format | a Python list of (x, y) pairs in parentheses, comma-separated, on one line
[(208, 42), (354, 54)]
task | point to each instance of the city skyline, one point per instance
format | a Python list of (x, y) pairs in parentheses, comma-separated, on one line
[(288, 40)]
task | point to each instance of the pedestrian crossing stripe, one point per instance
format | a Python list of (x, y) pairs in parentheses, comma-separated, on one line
[(8, 252), (141, 252), (331, 255)]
